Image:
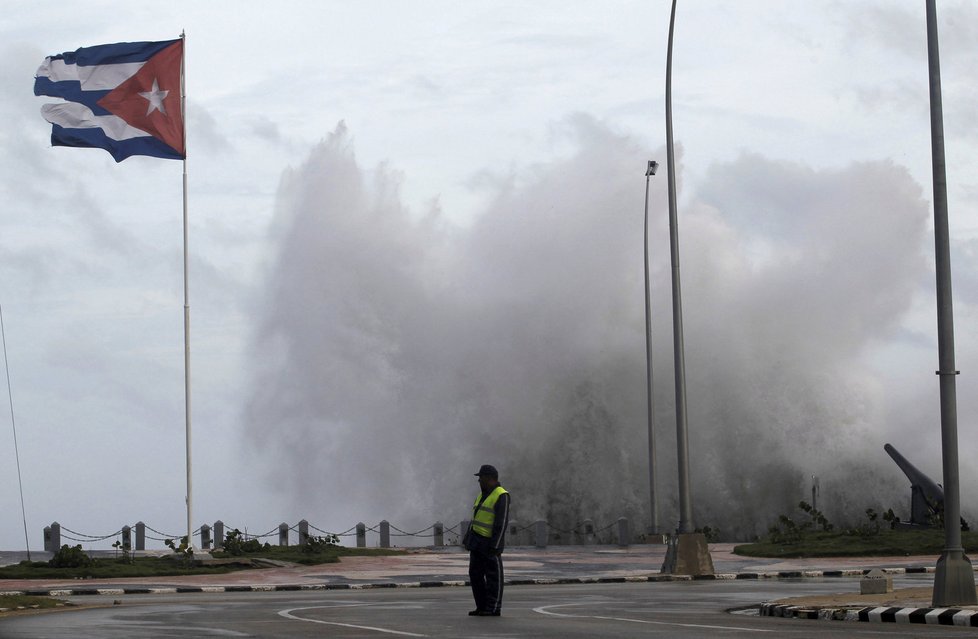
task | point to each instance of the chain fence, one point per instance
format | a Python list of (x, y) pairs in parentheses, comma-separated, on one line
[(584, 531), (83, 538)]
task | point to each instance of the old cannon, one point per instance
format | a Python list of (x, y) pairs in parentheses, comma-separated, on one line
[(926, 496)]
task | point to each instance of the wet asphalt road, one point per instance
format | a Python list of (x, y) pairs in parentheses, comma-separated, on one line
[(667, 609)]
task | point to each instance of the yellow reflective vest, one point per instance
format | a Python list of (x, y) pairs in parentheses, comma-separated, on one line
[(484, 513)]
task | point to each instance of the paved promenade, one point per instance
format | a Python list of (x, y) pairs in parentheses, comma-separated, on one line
[(521, 563)]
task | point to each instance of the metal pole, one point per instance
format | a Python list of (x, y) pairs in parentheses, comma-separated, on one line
[(954, 580), (682, 438), (653, 498), (13, 426), (814, 492), (186, 303)]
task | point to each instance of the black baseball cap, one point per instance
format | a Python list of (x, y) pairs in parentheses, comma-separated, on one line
[(489, 471)]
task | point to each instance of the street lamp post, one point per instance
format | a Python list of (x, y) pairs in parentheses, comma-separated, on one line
[(954, 579), (688, 552), (682, 437), (653, 497)]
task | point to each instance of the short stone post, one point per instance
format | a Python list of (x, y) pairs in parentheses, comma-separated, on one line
[(283, 534), (140, 536), (126, 538), (303, 532), (205, 537), (540, 533), (218, 534), (876, 582), (385, 534), (463, 530), (439, 533), (47, 539), (55, 536), (587, 532), (361, 535), (623, 538)]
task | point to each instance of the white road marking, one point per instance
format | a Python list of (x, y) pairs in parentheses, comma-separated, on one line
[(545, 610), (288, 615), (194, 631)]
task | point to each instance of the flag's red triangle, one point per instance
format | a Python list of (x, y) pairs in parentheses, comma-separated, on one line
[(141, 102)]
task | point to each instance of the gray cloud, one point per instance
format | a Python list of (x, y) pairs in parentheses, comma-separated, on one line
[(207, 130)]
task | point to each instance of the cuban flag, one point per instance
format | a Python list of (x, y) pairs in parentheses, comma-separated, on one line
[(124, 98)]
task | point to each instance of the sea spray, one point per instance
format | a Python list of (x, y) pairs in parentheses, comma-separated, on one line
[(399, 350)]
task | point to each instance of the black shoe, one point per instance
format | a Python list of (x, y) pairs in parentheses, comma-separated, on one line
[(486, 613), (475, 613)]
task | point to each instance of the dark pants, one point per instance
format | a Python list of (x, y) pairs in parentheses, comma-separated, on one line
[(486, 575)]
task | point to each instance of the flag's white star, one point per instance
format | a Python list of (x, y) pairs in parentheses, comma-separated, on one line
[(155, 98)]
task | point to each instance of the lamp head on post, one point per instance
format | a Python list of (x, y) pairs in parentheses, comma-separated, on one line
[(653, 165)]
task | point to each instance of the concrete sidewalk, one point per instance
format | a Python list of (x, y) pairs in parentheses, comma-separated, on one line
[(447, 566)]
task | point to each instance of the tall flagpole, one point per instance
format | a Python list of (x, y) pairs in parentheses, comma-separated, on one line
[(186, 299), (13, 425)]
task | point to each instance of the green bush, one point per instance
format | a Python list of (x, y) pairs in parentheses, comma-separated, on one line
[(317, 545), (71, 557), (890, 517), (236, 546), (817, 517), (888, 543), (787, 531), (184, 550), (126, 551)]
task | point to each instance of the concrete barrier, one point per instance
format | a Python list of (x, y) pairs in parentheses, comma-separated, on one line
[(55, 537), (513, 536), (205, 537), (463, 529), (140, 536), (623, 538), (540, 533), (585, 535), (218, 535)]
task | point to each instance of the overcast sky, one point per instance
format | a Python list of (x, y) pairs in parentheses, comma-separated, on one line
[(501, 140)]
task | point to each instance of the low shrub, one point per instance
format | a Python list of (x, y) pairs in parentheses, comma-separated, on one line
[(71, 557)]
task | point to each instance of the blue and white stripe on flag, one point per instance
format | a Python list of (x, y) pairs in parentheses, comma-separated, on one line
[(124, 98)]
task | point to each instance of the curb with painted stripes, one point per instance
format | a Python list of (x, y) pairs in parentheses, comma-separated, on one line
[(142, 590), (934, 616), (146, 590), (937, 616)]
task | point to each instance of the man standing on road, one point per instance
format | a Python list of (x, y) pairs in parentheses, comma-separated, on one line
[(485, 540)]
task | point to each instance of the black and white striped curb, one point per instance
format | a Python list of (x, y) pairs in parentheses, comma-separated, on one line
[(935, 616), (153, 590), (162, 590)]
